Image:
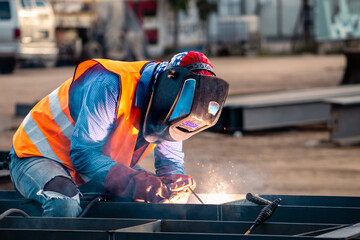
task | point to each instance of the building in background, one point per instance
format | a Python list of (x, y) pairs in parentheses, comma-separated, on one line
[(238, 26), (143, 29), (336, 23), (260, 24)]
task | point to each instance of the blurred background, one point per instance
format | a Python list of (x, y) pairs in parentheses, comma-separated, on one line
[(291, 64), (61, 31)]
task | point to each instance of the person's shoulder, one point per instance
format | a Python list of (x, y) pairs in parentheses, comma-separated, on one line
[(100, 74)]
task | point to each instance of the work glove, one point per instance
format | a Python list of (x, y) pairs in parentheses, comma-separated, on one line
[(179, 187), (140, 186)]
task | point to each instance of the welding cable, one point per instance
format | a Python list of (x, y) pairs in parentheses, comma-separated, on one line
[(264, 214), (92, 202), (11, 211)]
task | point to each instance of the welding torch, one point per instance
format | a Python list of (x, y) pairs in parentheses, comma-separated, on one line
[(264, 214), (182, 185)]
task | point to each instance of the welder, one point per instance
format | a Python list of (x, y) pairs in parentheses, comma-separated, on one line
[(93, 130)]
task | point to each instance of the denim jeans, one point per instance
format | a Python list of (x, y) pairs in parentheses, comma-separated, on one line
[(30, 175)]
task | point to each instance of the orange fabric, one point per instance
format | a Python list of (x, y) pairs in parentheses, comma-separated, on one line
[(58, 142), (25, 147), (122, 140), (147, 151), (82, 67)]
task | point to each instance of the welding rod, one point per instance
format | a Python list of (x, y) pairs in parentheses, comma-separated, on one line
[(197, 196), (256, 199), (264, 214)]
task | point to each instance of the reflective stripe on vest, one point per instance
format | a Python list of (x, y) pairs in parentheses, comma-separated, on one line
[(38, 138), (35, 134), (59, 116)]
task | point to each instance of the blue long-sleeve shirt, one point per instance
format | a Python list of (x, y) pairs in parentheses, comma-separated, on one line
[(93, 99)]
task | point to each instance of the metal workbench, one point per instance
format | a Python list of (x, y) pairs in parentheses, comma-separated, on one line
[(298, 217)]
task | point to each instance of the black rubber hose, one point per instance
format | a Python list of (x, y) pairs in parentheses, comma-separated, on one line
[(11, 211), (92, 202)]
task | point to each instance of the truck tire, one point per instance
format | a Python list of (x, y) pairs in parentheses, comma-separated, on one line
[(7, 65), (92, 50)]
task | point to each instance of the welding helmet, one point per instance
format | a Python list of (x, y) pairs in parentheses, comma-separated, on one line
[(183, 103)]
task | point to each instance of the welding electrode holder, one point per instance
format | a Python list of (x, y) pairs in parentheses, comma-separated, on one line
[(264, 214), (185, 184), (181, 185)]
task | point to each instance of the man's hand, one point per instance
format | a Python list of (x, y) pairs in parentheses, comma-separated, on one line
[(149, 188), (140, 186), (179, 186)]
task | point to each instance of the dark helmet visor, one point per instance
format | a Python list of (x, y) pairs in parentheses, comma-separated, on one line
[(183, 105)]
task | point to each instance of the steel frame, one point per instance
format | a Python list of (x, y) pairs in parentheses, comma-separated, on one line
[(298, 217), (118, 228)]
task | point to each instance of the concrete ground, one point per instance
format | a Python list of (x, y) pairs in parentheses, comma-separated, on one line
[(291, 161)]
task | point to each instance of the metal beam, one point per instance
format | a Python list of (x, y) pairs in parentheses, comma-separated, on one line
[(350, 232), (280, 109), (88, 224), (304, 200), (80, 228), (299, 214), (299, 217), (344, 124), (55, 234)]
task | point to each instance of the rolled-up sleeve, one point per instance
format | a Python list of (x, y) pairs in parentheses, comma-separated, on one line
[(169, 158), (94, 123)]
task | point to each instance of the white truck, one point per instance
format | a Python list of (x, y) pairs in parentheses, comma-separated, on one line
[(27, 33), (97, 28)]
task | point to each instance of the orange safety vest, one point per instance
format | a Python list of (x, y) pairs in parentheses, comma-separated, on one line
[(46, 131)]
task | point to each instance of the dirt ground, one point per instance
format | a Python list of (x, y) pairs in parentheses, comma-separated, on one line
[(289, 161)]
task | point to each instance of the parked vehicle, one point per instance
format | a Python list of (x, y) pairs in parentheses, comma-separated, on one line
[(88, 29), (27, 30)]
